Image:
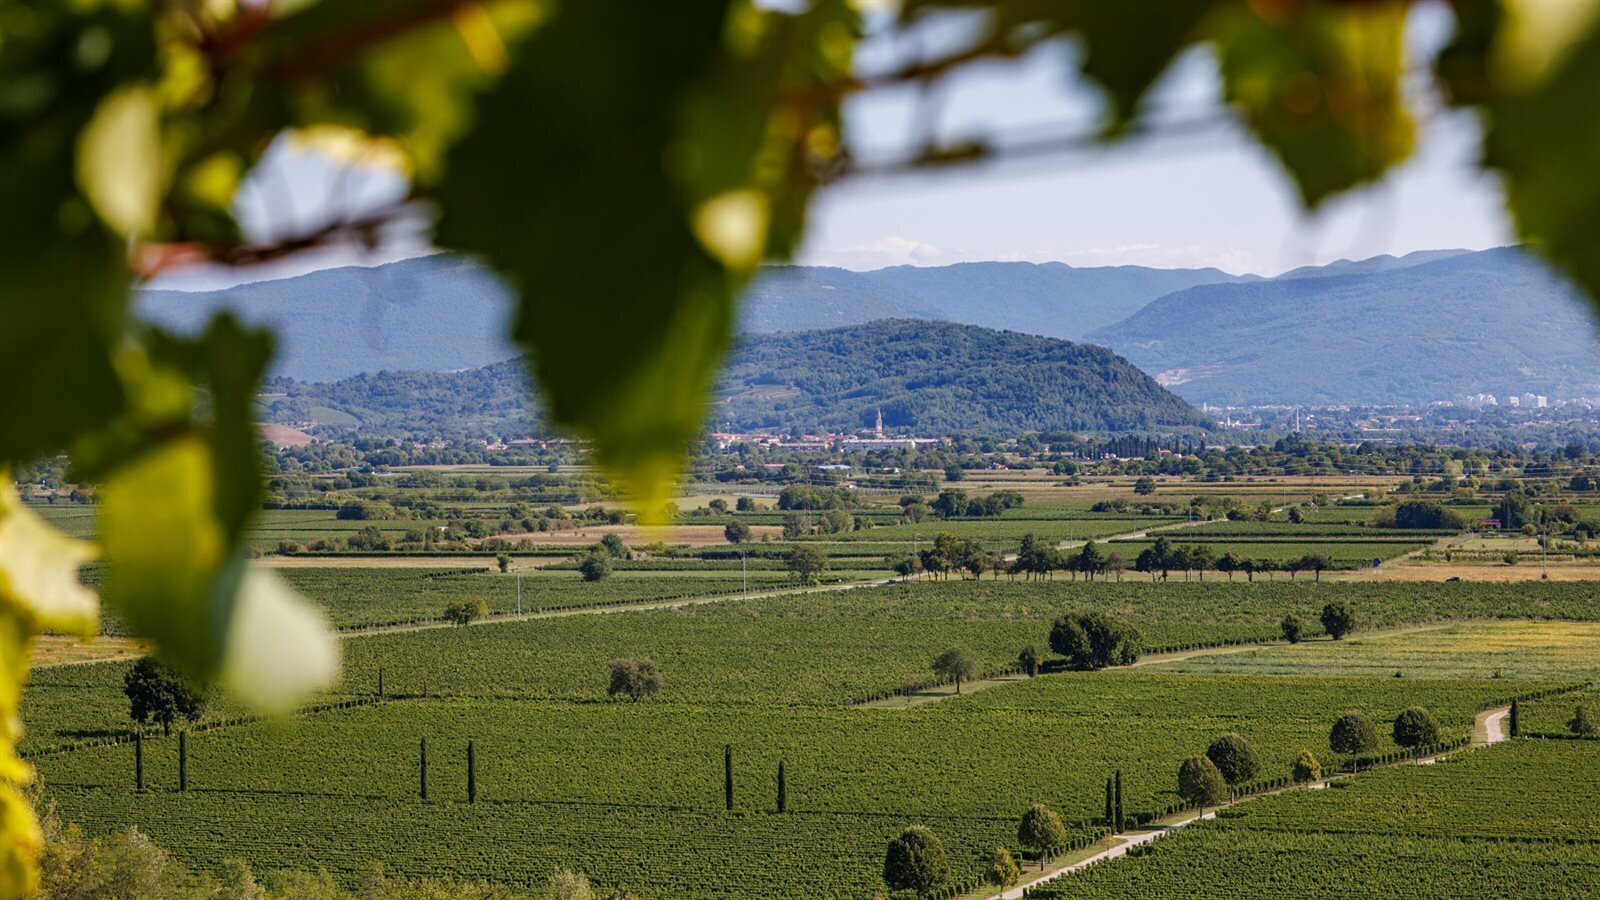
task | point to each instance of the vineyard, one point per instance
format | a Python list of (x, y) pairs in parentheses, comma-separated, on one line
[(670, 753), (359, 597), (1345, 554), (653, 852), (1513, 820), (1481, 650), (777, 679)]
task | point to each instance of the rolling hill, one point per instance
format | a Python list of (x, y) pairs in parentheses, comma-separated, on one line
[(930, 378), (1495, 321)]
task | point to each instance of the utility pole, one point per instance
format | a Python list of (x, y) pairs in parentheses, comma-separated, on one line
[(519, 595), (744, 572)]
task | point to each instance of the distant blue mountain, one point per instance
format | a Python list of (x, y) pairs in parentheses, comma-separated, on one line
[(1426, 326), (435, 313), (1050, 299), (1496, 321)]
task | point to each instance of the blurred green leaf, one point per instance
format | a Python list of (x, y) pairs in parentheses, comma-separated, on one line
[(39, 570), (417, 86), (1125, 46), (119, 160), (1319, 84), (179, 492), (280, 648), (568, 188), (1540, 132), (64, 292), (163, 547)]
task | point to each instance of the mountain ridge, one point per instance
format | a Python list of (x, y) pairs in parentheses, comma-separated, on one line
[(1491, 321)]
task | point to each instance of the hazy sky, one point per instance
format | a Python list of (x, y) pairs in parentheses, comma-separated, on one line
[(1215, 200), (1209, 200)]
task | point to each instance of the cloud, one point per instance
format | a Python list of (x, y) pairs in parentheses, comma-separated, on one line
[(1192, 256), (897, 250), (893, 250)]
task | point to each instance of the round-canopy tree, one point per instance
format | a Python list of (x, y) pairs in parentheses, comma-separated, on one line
[(595, 566), (1306, 768), (736, 532), (1293, 628), (807, 564), (1581, 723), (916, 861), (1003, 871), (463, 612), (156, 693), (1337, 619), (634, 678), (1352, 735), (956, 665), (1415, 728), (1200, 783), (1041, 830), (1234, 758), (1091, 640), (1028, 660)]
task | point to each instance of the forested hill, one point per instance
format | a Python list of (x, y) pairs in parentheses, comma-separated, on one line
[(1494, 321), (930, 378), (938, 378)]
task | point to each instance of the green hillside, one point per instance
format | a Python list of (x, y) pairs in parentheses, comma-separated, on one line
[(938, 378), (931, 378)]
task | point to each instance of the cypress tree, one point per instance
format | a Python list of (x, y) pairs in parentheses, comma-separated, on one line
[(424, 768), (1119, 824), (783, 789), (1111, 805), (1516, 720), (138, 761), (183, 760), (472, 774), (727, 775)]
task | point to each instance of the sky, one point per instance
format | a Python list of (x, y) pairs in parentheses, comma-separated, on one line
[(1211, 199)]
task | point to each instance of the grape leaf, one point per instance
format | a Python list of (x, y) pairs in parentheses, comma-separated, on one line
[(39, 569), (1126, 46), (64, 293), (1319, 84), (1540, 134), (567, 166)]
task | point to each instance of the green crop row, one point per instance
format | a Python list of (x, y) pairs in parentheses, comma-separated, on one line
[(1513, 820)]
